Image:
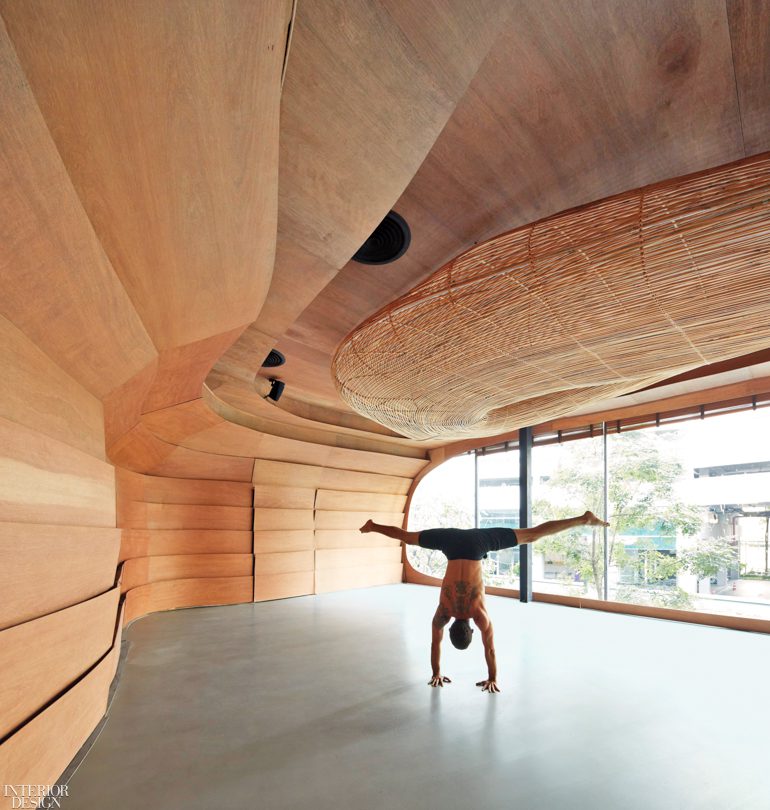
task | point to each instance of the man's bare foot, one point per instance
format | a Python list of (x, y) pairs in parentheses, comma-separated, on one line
[(367, 527), (591, 520)]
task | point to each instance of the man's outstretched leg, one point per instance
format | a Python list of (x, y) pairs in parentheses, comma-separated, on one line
[(412, 538), (556, 526)]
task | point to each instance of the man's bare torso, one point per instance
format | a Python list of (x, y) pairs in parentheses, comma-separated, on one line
[(462, 592)]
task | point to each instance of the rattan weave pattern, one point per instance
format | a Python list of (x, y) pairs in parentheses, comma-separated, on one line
[(583, 305)]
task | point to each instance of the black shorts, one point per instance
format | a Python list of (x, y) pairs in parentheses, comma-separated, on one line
[(468, 544)]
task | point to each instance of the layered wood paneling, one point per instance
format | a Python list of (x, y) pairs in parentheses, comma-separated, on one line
[(46, 568), (47, 481), (41, 658), (185, 542), (181, 593), (40, 750), (141, 570), (281, 473), (165, 542)]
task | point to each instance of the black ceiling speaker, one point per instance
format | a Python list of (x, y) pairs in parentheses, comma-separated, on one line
[(275, 358), (276, 389), (389, 241)]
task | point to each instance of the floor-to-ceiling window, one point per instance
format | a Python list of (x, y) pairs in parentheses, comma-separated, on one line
[(688, 501)]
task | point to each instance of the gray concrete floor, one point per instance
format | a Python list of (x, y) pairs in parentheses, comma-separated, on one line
[(322, 702)]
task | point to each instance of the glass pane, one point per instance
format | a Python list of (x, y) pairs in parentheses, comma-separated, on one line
[(443, 499), (690, 507), (499, 506), (567, 479)]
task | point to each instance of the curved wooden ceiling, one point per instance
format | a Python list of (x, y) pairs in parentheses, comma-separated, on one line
[(159, 159)]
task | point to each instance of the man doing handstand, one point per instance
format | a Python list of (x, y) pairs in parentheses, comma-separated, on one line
[(462, 591)]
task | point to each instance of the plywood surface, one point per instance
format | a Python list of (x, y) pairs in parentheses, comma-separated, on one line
[(40, 751), (338, 579), (282, 586), (42, 657), (281, 473), (278, 540), (156, 489), (285, 562), (82, 317), (354, 520), (176, 108), (141, 570), (159, 542), (44, 568), (139, 515), (46, 481), (179, 593), (339, 500), (279, 497), (265, 519)]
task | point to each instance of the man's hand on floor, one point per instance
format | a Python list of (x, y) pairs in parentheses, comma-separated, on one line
[(438, 680), (488, 686)]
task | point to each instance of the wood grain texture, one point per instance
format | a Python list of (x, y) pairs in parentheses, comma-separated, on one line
[(333, 558), (749, 22), (46, 568), (176, 108), (339, 579), (281, 473), (139, 515), (39, 395), (123, 404), (339, 500), (39, 752), (180, 593), (160, 542), (266, 519), (140, 450), (342, 58), (41, 658), (141, 570), (182, 370), (281, 540), (352, 539), (278, 497), (354, 520), (82, 317), (46, 481), (283, 586), (284, 562), (156, 489)]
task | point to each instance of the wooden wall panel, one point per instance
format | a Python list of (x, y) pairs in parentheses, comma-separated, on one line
[(58, 285), (185, 203), (282, 540), (139, 515), (354, 520), (155, 489), (279, 497), (283, 562), (41, 658), (47, 481), (38, 394), (352, 539), (160, 542), (340, 501), (141, 570), (338, 579), (282, 586), (280, 473), (283, 519), (333, 558), (40, 750), (46, 568), (180, 593)]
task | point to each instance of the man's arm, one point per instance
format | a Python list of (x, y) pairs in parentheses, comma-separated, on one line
[(487, 636), (440, 619)]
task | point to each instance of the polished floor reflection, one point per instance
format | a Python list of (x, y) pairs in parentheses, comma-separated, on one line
[(322, 702)]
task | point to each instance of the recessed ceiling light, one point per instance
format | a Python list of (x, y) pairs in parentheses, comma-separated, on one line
[(389, 241)]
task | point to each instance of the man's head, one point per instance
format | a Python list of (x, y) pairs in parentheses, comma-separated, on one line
[(461, 634)]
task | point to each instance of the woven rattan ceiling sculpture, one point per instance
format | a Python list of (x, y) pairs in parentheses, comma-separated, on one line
[(587, 304)]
